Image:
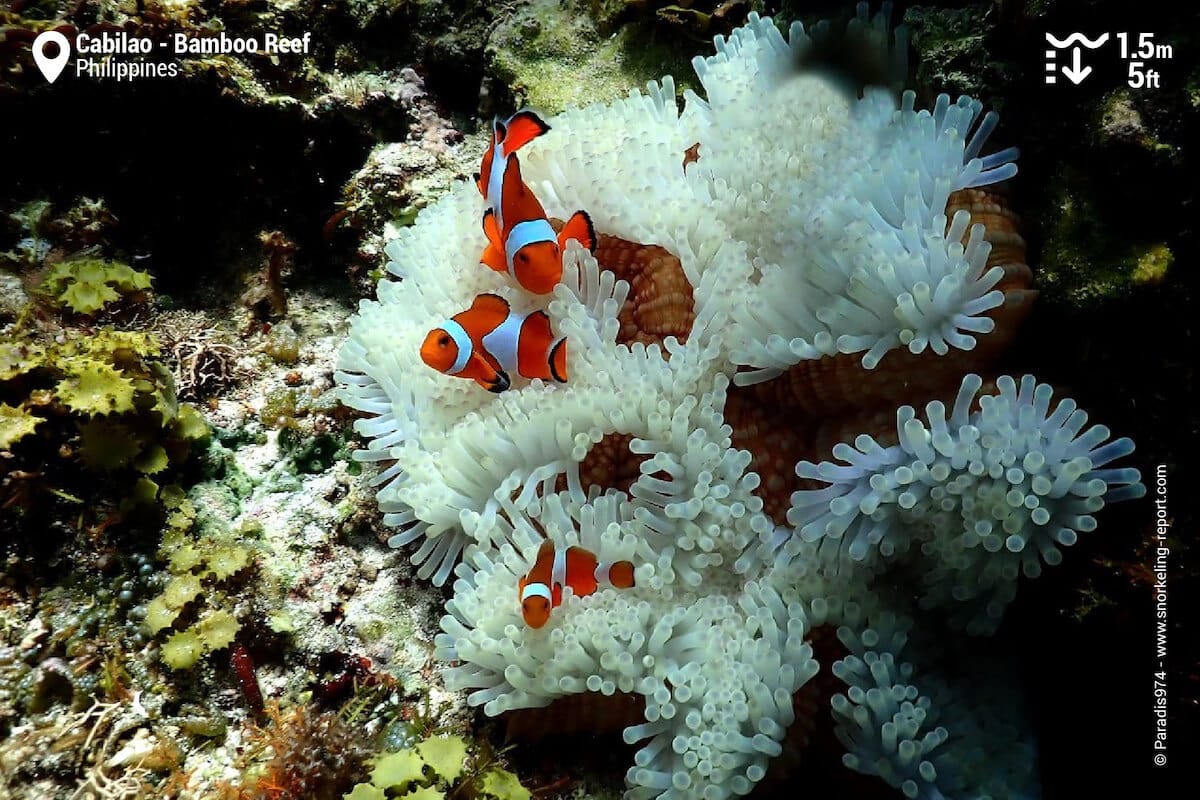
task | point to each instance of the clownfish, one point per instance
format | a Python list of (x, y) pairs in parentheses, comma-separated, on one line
[(541, 589), (520, 238), (489, 340), (525, 245), (507, 138)]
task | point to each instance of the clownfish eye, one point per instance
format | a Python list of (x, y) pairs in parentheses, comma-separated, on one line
[(443, 340), (523, 257)]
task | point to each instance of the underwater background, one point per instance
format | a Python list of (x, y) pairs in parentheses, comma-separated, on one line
[(197, 594)]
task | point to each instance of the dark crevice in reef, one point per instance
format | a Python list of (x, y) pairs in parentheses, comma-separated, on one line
[(1106, 191), (191, 172)]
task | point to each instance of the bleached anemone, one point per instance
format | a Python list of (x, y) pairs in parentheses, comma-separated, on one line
[(930, 735), (974, 498), (846, 229), (812, 226)]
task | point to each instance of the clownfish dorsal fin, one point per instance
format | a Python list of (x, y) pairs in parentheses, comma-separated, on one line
[(488, 312), (578, 227), (510, 192), (522, 128), (517, 202), (492, 303)]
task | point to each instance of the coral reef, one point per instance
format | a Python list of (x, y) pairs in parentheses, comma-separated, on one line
[(101, 399), (859, 246), (308, 754), (342, 149), (552, 55)]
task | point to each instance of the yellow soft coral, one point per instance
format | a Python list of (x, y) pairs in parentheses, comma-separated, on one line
[(152, 460), (126, 278), (95, 388), (225, 561), (503, 785), (15, 424), (398, 769), (434, 767)]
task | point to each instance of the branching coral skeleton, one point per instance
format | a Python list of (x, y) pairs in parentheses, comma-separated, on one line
[(108, 724)]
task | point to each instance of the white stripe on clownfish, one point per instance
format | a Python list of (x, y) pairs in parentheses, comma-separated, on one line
[(535, 590), (531, 231), (503, 340), (558, 574), (462, 341)]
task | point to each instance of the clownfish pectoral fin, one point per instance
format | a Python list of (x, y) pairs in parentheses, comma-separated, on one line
[(493, 254), (578, 227), (520, 129), (491, 229), (494, 380), (493, 258)]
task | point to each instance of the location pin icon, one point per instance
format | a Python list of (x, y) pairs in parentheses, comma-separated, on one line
[(51, 67)]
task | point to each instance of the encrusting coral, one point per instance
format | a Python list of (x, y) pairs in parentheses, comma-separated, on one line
[(818, 236)]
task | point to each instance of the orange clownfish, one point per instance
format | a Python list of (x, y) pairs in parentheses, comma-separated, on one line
[(489, 340), (521, 240), (507, 138), (541, 589)]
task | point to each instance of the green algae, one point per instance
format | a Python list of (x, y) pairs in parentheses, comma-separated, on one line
[(553, 55)]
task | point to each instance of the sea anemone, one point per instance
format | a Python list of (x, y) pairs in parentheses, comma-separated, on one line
[(807, 237), (976, 498)]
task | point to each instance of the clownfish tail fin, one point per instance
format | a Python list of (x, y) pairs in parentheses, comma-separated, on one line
[(520, 129), (620, 574), (558, 360), (579, 227)]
